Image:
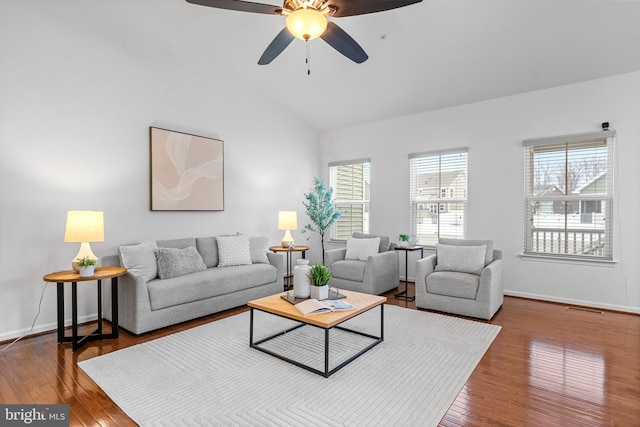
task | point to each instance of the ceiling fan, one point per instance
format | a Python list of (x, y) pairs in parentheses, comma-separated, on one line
[(307, 20)]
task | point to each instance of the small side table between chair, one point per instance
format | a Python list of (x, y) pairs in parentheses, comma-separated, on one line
[(70, 276), (404, 294), (289, 251)]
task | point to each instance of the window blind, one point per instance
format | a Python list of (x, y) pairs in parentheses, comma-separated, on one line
[(438, 195), (568, 196), (350, 181)]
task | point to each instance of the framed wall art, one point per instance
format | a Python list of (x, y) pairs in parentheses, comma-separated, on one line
[(187, 172)]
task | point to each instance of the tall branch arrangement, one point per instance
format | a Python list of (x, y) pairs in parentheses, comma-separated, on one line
[(320, 209)]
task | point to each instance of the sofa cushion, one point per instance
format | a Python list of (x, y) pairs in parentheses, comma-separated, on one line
[(233, 250), (209, 283), (465, 242), (174, 262), (361, 249), (449, 283), (208, 248), (258, 247), (140, 259), (348, 270), (385, 242), (463, 259)]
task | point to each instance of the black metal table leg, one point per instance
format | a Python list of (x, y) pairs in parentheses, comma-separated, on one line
[(114, 308), (60, 295), (74, 315)]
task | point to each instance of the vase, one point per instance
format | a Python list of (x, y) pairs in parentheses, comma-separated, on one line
[(301, 282), (87, 271), (320, 292)]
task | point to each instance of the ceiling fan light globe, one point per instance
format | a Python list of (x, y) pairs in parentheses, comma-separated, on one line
[(306, 24)]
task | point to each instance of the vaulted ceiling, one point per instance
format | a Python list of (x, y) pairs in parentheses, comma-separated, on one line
[(428, 56)]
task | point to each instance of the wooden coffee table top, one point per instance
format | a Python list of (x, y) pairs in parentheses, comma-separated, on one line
[(276, 305)]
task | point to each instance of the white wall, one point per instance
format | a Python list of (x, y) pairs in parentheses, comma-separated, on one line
[(493, 131), (80, 84)]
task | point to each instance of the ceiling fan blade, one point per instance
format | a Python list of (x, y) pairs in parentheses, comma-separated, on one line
[(275, 48), (343, 43), (242, 6), (361, 7)]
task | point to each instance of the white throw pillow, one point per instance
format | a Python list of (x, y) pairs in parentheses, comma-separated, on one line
[(140, 259), (233, 250), (361, 249), (463, 259)]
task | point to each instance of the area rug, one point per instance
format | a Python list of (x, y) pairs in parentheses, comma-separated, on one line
[(209, 376)]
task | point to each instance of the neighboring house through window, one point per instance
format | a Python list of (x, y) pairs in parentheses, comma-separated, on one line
[(438, 195), (569, 196), (350, 181)]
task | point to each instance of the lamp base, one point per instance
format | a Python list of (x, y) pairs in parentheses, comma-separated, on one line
[(85, 251), (287, 240)]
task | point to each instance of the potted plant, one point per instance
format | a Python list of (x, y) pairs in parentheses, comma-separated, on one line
[(86, 266), (319, 276), (321, 210), (404, 239)]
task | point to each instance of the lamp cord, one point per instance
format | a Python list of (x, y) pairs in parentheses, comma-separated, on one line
[(32, 325)]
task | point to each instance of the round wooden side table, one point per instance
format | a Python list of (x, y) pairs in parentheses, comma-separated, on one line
[(289, 251), (70, 276)]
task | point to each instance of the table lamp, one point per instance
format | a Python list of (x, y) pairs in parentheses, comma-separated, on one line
[(84, 227), (287, 220)]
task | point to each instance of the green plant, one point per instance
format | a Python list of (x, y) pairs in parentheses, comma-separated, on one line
[(403, 237), (321, 210), (319, 275), (85, 262)]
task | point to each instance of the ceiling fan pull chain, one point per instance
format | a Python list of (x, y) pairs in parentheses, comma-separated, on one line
[(308, 59)]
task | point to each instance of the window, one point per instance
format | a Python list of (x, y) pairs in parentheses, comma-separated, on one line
[(350, 181), (438, 195), (568, 196)]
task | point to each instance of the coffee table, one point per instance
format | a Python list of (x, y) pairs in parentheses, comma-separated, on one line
[(275, 305)]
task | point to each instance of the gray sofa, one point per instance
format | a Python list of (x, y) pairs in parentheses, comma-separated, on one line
[(374, 273), (172, 281), (453, 286)]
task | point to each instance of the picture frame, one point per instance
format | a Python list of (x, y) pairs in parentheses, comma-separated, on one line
[(187, 171)]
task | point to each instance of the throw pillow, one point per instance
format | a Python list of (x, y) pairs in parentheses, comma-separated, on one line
[(173, 262), (233, 250), (361, 249), (140, 259), (462, 259), (258, 247), (208, 249)]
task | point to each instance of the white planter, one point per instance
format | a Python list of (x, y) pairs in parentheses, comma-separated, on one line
[(320, 292), (402, 244), (301, 283), (87, 271)]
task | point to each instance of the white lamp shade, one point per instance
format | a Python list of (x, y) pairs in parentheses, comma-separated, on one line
[(287, 220), (84, 226)]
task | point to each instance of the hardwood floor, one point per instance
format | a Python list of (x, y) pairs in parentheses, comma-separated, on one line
[(549, 366)]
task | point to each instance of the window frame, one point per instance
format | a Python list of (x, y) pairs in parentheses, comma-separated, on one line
[(365, 202), (570, 237), (436, 207)]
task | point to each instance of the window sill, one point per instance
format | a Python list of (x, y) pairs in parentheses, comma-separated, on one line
[(562, 260)]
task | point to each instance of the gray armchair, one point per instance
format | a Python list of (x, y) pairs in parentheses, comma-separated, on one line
[(377, 275), (476, 291)]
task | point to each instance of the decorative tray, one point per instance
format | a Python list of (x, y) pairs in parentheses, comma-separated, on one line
[(333, 294)]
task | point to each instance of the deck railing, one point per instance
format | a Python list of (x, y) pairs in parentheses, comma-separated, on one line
[(569, 241)]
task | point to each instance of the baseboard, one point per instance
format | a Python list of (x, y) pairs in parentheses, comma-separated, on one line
[(571, 301), (47, 327)]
